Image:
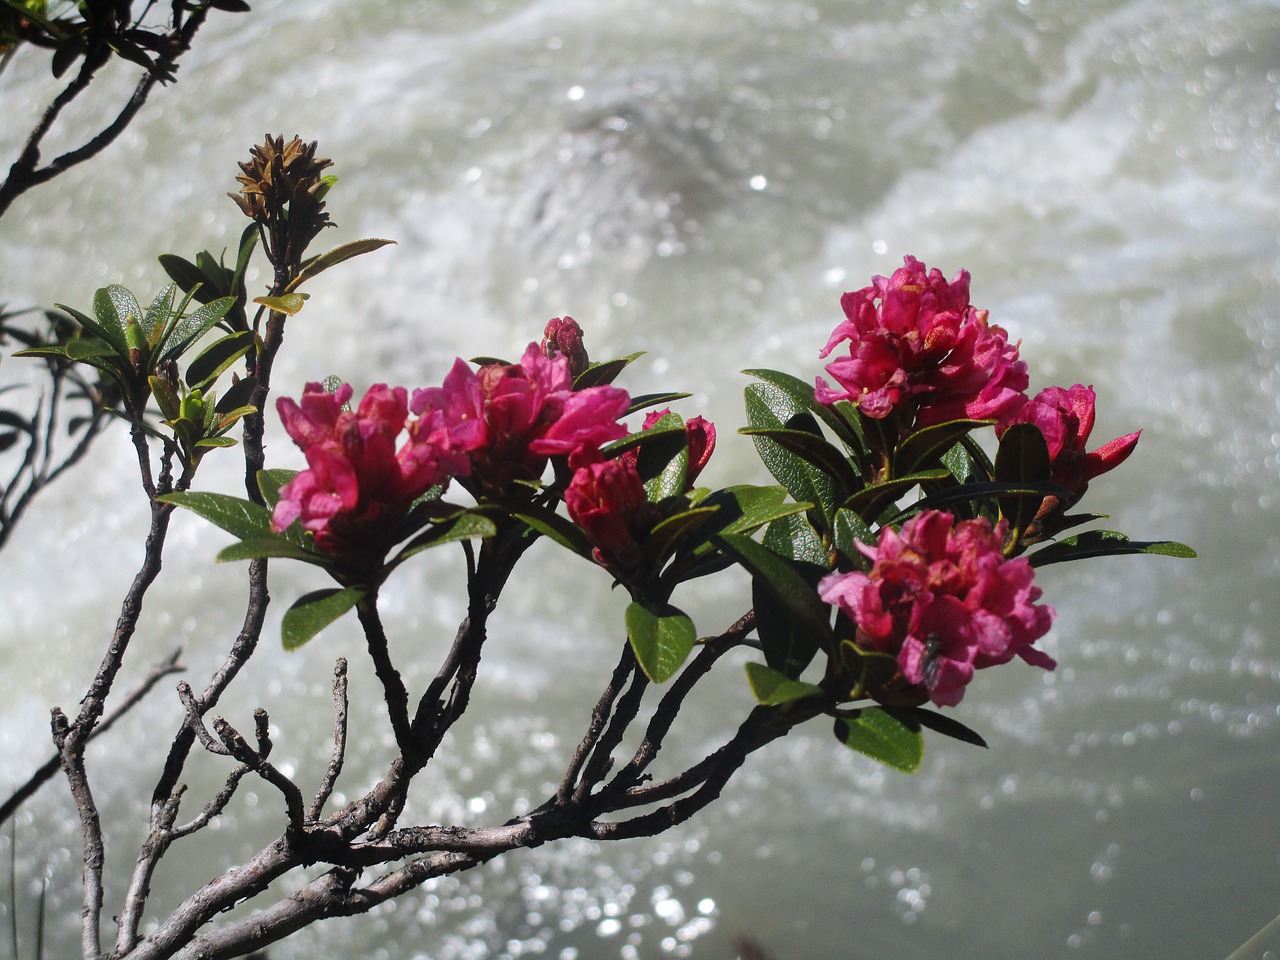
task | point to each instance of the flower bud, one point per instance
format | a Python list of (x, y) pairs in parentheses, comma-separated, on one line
[(563, 337)]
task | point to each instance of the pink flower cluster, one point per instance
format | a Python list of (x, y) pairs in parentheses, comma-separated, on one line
[(943, 600), (607, 499), (1065, 417), (493, 426), (920, 353)]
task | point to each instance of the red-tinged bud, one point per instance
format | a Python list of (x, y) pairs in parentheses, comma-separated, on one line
[(563, 337), (702, 443), (607, 500)]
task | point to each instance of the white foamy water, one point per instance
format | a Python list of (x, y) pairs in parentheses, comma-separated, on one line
[(702, 180)]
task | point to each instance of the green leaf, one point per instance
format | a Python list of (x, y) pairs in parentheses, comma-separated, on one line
[(337, 255), (772, 688), (662, 637), (814, 448), (771, 408), (467, 526), (550, 524), (927, 445), (937, 722), (851, 529), (276, 545), (86, 348), (1106, 543), (192, 327), (892, 740), (270, 482), (654, 399), (158, 313), (1021, 459), (105, 323), (601, 374), (186, 275), (667, 536), (783, 579), (788, 645), (802, 394), (215, 358), (869, 502), (237, 396), (745, 508), (208, 442), (243, 519), (313, 612), (664, 463), (124, 303), (794, 537)]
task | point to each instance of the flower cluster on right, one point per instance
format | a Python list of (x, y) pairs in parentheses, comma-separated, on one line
[(941, 595)]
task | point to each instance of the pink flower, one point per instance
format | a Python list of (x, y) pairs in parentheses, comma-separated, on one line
[(1065, 417), (919, 352), (513, 417), (944, 601), (358, 486), (606, 498)]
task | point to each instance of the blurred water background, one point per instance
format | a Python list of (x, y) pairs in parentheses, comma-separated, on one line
[(702, 180)]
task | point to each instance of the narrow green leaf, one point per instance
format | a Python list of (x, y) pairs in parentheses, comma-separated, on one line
[(237, 396), (124, 304), (186, 275), (313, 612), (270, 482), (187, 330), (276, 545), (815, 450), (794, 537), (788, 645), (240, 518), (105, 321), (869, 502), (850, 530), (772, 408), (332, 258), (208, 442), (662, 637), (925, 446), (669, 535), (602, 374), (1021, 459), (881, 736), (158, 313), (1106, 543), (290, 303), (783, 578), (802, 393), (654, 399), (550, 524), (467, 526), (772, 688), (938, 723), (86, 348), (216, 358), (664, 464)]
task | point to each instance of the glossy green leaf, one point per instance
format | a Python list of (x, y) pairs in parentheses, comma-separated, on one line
[(216, 358), (157, 314), (669, 535), (550, 524), (467, 526), (670, 436), (87, 348), (662, 637), (193, 326), (746, 508), (938, 723), (332, 258), (1106, 543), (1021, 459), (926, 446), (243, 519), (871, 501), (270, 482), (655, 399), (275, 545), (237, 396), (815, 450), (801, 391), (783, 579), (313, 612), (788, 643), (124, 305), (210, 442), (793, 536), (105, 323), (187, 276), (890, 739), (772, 688), (601, 374), (772, 408), (664, 463), (850, 529)]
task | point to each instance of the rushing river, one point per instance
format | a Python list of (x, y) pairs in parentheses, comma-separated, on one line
[(702, 179)]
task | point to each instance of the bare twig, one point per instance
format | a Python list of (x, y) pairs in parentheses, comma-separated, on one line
[(334, 770)]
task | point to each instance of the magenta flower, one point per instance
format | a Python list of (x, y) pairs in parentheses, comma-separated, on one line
[(606, 498), (513, 417), (919, 352), (944, 601), (1065, 417), (358, 486)]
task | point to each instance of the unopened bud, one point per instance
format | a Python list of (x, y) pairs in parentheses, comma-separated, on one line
[(563, 337)]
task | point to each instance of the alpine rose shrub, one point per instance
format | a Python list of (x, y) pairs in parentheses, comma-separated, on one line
[(943, 600), (1065, 417), (920, 353)]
